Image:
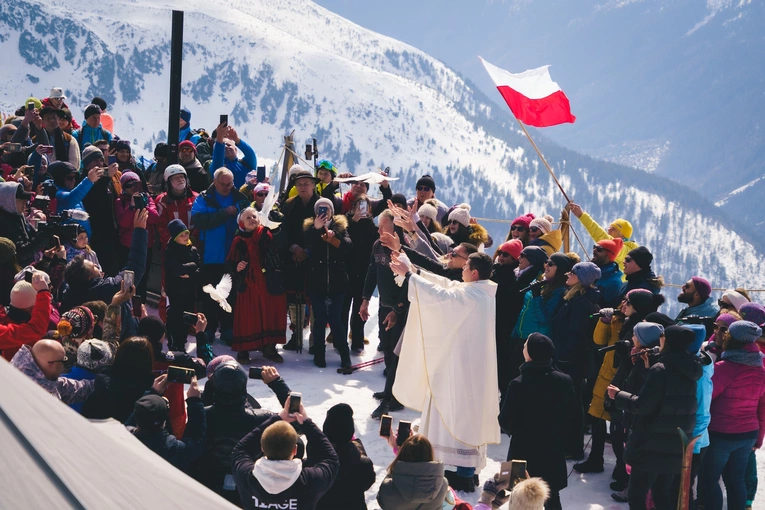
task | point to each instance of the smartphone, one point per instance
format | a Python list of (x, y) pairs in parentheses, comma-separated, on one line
[(256, 373), (363, 207), (129, 278), (48, 149), (261, 176), (517, 472), (505, 472), (308, 150), (323, 211), (28, 276), (190, 318), (224, 120), (13, 147), (386, 422), (111, 159), (404, 428), (31, 105), (295, 399), (29, 171), (57, 241), (140, 201), (180, 374)]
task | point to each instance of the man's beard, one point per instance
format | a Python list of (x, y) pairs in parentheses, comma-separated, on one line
[(685, 298)]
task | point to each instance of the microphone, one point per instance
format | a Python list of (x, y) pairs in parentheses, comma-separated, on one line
[(625, 343), (597, 315), (651, 351), (540, 283)]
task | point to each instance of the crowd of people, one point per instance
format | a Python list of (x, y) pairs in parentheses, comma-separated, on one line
[(519, 338)]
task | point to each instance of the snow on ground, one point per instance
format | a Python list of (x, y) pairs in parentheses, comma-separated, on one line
[(323, 388)]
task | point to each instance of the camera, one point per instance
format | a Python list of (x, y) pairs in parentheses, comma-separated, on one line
[(256, 373), (13, 147), (41, 202), (180, 374), (49, 188), (140, 201), (190, 318), (56, 225)]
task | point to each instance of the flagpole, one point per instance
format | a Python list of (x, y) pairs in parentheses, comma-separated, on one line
[(568, 200)]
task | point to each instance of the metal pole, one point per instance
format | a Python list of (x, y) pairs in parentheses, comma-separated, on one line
[(176, 71)]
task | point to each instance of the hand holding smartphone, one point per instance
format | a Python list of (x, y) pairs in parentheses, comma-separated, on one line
[(295, 400), (129, 278), (386, 422), (404, 429)]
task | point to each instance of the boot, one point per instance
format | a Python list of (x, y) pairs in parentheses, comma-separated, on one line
[(591, 465), (378, 395), (345, 361), (243, 357), (620, 496), (269, 352), (319, 360), (382, 409), (459, 483), (292, 345), (395, 405), (619, 485)]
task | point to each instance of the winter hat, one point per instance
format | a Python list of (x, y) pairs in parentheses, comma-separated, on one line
[(644, 301), (151, 411), (326, 164), (735, 298), (176, 228), (461, 214), (186, 115), (66, 113), (56, 93), (587, 272), (745, 331), (324, 202), (261, 187), (338, 425), (702, 287), (295, 169), (659, 318), (7, 250), (92, 109), (513, 247), (23, 295), (216, 362), (524, 220), (230, 379), (544, 224), (563, 262), (129, 177), (427, 180), (641, 256), (540, 347), (529, 494), (93, 354), (753, 312), (122, 145), (399, 200), (189, 144), (90, 154), (152, 328), (612, 246), (76, 323), (100, 102), (701, 334), (648, 333), (534, 254), (22, 194), (678, 338), (59, 170), (161, 150), (726, 319), (624, 227), (428, 211)]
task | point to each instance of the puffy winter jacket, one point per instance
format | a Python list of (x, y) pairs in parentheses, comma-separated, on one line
[(598, 234), (15, 227), (605, 335), (537, 313), (328, 271), (549, 242), (126, 216), (706, 309), (14, 335), (216, 227), (610, 285), (414, 486), (738, 399), (572, 331), (72, 199), (66, 390), (88, 135), (169, 207)]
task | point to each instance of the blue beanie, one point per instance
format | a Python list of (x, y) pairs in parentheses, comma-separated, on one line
[(648, 333), (186, 115), (176, 227), (745, 331), (701, 334), (587, 272)]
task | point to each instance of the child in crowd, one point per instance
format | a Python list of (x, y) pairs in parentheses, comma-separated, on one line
[(182, 266)]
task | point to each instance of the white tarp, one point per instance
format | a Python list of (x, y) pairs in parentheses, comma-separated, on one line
[(54, 458)]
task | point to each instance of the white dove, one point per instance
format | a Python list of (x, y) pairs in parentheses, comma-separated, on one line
[(268, 204), (221, 291)]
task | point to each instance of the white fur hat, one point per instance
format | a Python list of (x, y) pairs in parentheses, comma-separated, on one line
[(530, 494), (461, 213)]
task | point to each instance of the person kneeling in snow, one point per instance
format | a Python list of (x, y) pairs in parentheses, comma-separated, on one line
[(268, 475)]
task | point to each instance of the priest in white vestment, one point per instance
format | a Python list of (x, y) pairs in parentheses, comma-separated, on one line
[(448, 361)]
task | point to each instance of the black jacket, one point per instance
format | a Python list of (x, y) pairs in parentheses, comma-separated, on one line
[(431, 265), (666, 402), (357, 475), (311, 484), (379, 275), (363, 234), (509, 300), (537, 412), (115, 395), (327, 268), (181, 260), (99, 203), (572, 332)]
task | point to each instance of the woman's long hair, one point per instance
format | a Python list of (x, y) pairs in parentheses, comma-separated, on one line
[(415, 449), (134, 359), (576, 290)]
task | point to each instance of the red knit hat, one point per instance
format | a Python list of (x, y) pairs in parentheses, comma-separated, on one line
[(189, 144), (524, 220), (612, 246), (512, 247)]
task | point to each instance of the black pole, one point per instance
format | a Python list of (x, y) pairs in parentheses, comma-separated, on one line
[(176, 70)]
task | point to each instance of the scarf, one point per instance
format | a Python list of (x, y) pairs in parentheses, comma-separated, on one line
[(744, 357)]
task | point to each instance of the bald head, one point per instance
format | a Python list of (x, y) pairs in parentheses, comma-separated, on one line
[(49, 356)]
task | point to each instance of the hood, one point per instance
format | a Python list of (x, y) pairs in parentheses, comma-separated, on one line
[(339, 223), (685, 364), (276, 476), (608, 270), (25, 362), (8, 196), (418, 482), (478, 235), (554, 238)]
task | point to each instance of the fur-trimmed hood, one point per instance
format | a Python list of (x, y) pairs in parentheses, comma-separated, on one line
[(478, 235), (339, 223)]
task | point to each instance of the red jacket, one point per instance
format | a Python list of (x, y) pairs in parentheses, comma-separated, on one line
[(170, 210), (738, 399), (126, 216), (13, 336)]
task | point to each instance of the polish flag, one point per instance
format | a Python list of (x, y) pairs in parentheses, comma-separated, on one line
[(533, 97)]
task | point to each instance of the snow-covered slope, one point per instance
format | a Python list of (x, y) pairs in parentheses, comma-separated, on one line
[(369, 99)]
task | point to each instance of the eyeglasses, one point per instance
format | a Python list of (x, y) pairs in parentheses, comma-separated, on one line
[(261, 194), (453, 254), (186, 149), (598, 248), (519, 228), (627, 259), (423, 188), (502, 254), (58, 361), (686, 286), (534, 229), (550, 264)]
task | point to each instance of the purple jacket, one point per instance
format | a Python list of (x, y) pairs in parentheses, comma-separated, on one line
[(738, 399), (69, 391)]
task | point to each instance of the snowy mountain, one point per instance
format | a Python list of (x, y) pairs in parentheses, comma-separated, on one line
[(370, 100)]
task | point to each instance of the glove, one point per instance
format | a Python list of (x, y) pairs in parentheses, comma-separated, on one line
[(275, 216), (606, 314), (492, 490), (536, 288)]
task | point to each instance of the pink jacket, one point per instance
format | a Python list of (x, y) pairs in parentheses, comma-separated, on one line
[(126, 215), (738, 399)]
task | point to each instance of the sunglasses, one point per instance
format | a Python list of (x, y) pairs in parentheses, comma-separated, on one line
[(519, 228), (598, 248), (534, 229), (627, 259), (454, 222), (502, 254), (72, 177), (261, 194), (724, 304), (187, 149), (58, 361), (423, 188), (455, 254), (550, 264), (721, 329)]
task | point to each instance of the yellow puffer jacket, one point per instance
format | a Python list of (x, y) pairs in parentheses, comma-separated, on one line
[(598, 234), (604, 336), (549, 242)]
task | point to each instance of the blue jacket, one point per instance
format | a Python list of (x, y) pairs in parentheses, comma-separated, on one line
[(706, 309), (87, 134), (703, 415), (537, 313), (610, 285), (185, 134), (216, 227), (240, 168), (67, 200)]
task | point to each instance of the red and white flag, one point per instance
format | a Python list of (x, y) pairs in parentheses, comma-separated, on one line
[(533, 97)]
